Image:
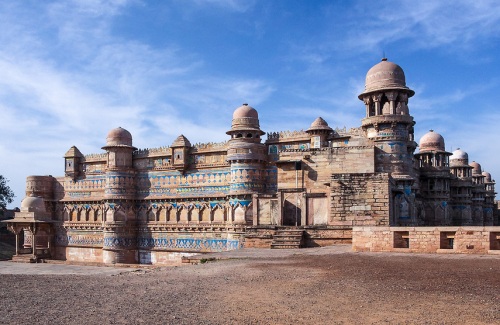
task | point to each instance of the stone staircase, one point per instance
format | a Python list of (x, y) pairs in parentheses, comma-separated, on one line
[(288, 238)]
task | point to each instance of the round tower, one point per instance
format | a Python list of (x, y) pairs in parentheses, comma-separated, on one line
[(119, 228), (478, 194), (435, 176), (389, 125), (489, 199), (461, 188), (388, 121), (247, 156)]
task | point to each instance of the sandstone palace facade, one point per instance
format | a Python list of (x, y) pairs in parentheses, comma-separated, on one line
[(299, 188)]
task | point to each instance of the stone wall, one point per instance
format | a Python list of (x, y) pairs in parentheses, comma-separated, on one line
[(465, 240), (317, 165), (360, 199)]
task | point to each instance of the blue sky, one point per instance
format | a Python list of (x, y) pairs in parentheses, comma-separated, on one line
[(73, 70)]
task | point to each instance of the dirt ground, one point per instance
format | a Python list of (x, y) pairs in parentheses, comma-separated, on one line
[(313, 287)]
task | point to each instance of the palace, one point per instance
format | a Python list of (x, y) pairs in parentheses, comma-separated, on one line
[(301, 188)]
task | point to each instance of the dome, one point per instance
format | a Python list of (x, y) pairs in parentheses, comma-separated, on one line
[(487, 177), (245, 111), (476, 168), (33, 204), (459, 154), (319, 124), (459, 158), (385, 75), (245, 118), (432, 141), (119, 137)]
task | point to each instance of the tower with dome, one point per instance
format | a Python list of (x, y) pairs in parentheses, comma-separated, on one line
[(281, 189)]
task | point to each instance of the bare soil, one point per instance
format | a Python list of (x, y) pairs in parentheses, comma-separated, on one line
[(340, 288)]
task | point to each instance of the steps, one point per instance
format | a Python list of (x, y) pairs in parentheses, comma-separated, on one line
[(288, 238)]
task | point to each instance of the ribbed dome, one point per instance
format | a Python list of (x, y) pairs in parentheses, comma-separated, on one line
[(487, 177), (476, 168), (319, 124), (431, 141), (119, 137), (245, 111), (386, 75), (32, 204)]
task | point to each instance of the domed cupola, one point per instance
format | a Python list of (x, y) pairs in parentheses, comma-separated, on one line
[(33, 209), (432, 151), (487, 176), (432, 142), (385, 75), (245, 143), (33, 204), (459, 158), (459, 163), (119, 137), (319, 132), (245, 119), (319, 124), (386, 92), (476, 168), (477, 173), (388, 118)]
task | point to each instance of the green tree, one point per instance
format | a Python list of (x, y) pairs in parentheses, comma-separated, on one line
[(6, 194)]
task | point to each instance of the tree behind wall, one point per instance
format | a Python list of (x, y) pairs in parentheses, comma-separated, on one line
[(6, 194)]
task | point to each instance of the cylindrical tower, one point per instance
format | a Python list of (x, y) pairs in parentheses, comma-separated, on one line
[(478, 194), (461, 188), (489, 199), (389, 125), (388, 121), (247, 156), (435, 176), (119, 193)]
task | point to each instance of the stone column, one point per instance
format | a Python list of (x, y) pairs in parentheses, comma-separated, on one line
[(255, 211), (303, 209), (280, 208), (367, 101), (376, 99), (391, 96)]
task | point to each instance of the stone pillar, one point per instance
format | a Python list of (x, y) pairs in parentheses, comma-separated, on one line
[(255, 211), (303, 209), (391, 96), (280, 208), (376, 99)]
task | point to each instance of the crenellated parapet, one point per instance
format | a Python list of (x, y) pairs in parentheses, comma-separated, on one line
[(282, 135)]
